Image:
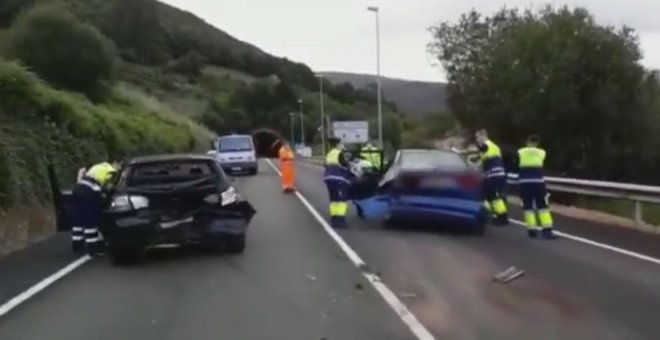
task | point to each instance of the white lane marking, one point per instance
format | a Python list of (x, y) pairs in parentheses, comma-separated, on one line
[(399, 308), (601, 245), (43, 284), (579, 239)]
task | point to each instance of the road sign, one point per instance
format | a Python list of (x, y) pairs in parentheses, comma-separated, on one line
[(355, 131)]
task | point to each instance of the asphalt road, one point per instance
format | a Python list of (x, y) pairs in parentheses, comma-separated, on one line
[(293, 282), (570, 289)]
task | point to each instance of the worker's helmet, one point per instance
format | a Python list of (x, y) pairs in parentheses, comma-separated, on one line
[(102, 173)]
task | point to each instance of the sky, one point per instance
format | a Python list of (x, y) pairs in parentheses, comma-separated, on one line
[(340, 35)]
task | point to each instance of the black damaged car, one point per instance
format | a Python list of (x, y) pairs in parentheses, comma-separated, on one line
[(173, 199)]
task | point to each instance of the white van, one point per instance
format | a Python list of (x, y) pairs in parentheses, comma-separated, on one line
[(237, 154)]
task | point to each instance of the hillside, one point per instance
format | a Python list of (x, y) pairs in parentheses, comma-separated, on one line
[(415, 98)]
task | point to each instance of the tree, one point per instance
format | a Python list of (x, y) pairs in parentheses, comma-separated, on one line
[(65, 52), (135, 27), (554, 72)]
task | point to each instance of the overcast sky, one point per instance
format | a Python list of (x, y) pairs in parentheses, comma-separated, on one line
[(340, 35)]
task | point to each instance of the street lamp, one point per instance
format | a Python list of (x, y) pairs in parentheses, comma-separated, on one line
[(323, 133), (293, 142), (302, 124), (378, 85)]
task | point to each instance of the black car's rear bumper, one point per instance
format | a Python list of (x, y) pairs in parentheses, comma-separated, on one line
[(203, 227)]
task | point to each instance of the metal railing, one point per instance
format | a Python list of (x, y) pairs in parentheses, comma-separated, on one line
[(636, 193)]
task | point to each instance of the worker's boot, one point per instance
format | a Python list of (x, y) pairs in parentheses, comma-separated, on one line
[(549, 234), (532, 233)]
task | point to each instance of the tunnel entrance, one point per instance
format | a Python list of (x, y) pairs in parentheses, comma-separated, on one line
[(267, 142)]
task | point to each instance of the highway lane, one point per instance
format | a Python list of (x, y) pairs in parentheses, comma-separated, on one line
[(293, 282), (570, 290)]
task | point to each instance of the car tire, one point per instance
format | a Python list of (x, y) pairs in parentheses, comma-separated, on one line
[(254, 171), (124, 257), (235, 243)]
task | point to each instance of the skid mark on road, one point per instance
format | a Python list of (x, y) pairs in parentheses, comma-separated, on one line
[(392, 300), (572, 237), (43, 284)]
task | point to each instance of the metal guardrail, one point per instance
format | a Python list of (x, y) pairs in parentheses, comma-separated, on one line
[(622, 191)]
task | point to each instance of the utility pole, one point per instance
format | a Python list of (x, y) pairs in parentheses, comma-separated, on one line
[(376, 11), (323, 128), (302, 124)]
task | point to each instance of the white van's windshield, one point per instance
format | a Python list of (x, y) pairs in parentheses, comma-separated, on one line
[(238, 143)]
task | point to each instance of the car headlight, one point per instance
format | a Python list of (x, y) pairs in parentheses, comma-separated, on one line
[(250, 158), (128, 202)]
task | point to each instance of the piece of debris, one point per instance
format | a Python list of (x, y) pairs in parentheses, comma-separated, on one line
[(408, 295), (311, 277), (358, 286), (508, 275)]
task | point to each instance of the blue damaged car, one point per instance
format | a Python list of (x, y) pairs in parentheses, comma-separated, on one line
[(426, 185)]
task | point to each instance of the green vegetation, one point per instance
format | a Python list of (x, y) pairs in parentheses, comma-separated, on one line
[(65, 52), (558, 73), (86, 80)]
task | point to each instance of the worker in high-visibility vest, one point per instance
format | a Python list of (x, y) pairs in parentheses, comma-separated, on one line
[(287, 168), (371, 153), (494, 183), (88, 199), (531, 183), (337, 179)]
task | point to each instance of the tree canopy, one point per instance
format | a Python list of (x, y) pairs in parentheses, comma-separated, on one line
[(65, 52), (555, 72)]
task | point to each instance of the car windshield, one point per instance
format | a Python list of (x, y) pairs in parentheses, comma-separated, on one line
[(175, 172), (432, 159), (241, 143)]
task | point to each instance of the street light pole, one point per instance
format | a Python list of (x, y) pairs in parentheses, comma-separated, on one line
[(376, 11), (302, 124), (293, 142), (323, 132)]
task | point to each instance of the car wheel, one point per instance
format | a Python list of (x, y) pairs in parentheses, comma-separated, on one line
[(124, 257), (254, 171), (235, 243)]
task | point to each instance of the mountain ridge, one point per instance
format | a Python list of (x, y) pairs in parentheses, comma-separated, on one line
[(414, 98)]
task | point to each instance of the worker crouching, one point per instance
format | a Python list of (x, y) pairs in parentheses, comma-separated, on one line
[(88, 202)]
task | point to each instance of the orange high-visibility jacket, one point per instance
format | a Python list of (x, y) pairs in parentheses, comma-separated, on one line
[(286, 154)]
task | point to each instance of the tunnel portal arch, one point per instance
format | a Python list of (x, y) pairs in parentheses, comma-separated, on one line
[(267, 142)]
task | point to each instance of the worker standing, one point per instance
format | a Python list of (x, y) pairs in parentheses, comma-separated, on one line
[(370, 153), (337, 179), (88, 203), (494, 185), (532, 188), (287, 168)]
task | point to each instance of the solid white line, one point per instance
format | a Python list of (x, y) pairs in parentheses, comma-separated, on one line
[(399, 308), (34, 290), (601, 245), (582, 240)]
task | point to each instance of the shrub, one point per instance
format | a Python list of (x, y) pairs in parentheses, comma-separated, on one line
[(65, 52), (39, 124)]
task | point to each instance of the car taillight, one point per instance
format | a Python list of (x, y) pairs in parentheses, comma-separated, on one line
[(469, 181)]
